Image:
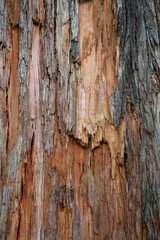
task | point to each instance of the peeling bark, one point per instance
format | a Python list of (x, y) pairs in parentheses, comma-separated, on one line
[(79, 119)]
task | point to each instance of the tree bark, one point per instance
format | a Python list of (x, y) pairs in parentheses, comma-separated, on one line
[(79, 119)]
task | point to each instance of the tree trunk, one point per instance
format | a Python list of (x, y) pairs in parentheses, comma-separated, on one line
[(79, 119)]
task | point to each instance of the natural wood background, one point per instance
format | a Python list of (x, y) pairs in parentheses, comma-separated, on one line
[(79, 119)]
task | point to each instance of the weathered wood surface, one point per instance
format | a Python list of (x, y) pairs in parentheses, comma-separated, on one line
[(79, 119)]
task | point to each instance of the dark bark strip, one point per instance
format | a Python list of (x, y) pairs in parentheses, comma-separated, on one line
[(138, 28)]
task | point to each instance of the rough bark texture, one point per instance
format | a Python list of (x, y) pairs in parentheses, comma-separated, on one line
[(79, 119)]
